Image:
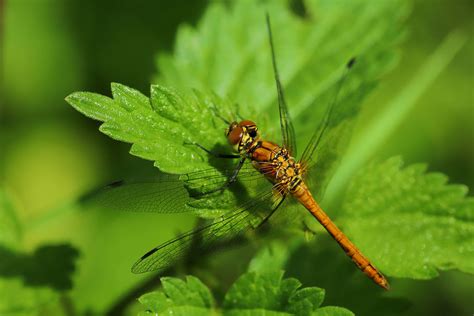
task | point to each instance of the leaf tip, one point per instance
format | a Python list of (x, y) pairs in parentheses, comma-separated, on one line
[(73, 97)]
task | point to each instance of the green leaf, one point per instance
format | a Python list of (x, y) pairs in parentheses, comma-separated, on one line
[(253, 291), (270, 292), (228, 53), (179, 298), (227, 58), (160, 127), (192, 292), (332, 311), (271, 257), (252, 294), (409, 222), (306, 300)]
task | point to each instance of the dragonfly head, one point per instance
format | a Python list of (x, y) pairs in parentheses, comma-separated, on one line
[(241, 135)]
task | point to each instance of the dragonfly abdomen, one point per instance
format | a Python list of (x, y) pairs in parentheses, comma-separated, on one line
[(302, 194)]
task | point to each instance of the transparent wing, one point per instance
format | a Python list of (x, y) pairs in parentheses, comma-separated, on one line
[(307, 156), (223, 229), (166, 193), (287, 129)]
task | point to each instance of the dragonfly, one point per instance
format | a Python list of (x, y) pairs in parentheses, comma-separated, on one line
[(269, 161)]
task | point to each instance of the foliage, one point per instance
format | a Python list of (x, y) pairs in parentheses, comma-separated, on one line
[(158, 128), (252, 294), (162, 127), (410, 223), (30, 283)]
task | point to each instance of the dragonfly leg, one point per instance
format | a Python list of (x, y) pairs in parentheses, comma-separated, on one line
[(231, 179), (217, 155), (218, 114)]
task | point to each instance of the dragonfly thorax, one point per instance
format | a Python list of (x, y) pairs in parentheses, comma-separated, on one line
[(287, 170), (276, 164)]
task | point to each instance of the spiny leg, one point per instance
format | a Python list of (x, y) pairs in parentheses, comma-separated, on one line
[(231, 179), (212, 153)]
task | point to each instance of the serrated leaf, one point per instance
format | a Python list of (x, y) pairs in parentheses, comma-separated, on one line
[(310, 69), (179, 311), (130, 99), (161, 127), (409, 222), (270, 292), (254, 290), (192, 292), (228, 53), (159, 303), (179, 298), (306, 300), (201, 57), (155, 302), (252, 294)]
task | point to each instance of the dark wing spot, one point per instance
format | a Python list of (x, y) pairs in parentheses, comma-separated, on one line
[(351, 62), (149, 253)]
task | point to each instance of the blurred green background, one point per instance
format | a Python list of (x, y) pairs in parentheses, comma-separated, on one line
[(51, 154)]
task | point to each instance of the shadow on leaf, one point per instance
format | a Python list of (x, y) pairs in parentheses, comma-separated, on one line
[(49, 265), (324, 265)]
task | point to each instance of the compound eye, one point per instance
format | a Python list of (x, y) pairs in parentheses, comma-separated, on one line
[(253, 133), (235, 135)]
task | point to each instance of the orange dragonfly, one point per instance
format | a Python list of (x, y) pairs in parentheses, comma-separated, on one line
[(276, 163)]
